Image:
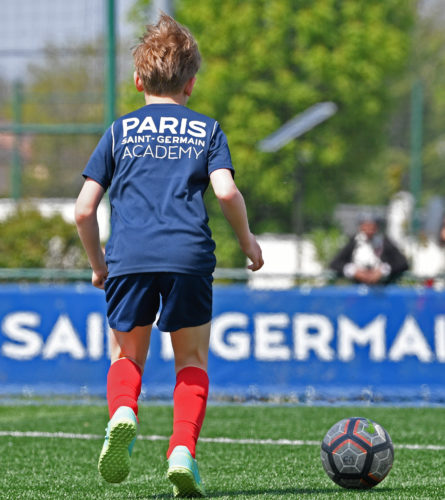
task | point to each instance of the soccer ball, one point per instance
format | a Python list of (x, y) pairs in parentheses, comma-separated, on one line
[(357, 453)]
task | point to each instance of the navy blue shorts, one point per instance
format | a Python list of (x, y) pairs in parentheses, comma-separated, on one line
[(134, 300)]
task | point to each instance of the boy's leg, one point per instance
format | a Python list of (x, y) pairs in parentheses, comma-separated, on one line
[(191, 346), (128, 355)]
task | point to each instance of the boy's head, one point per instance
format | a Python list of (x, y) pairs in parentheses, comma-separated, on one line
[(166, 58)]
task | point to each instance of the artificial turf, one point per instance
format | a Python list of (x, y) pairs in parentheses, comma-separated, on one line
[(60, 467)]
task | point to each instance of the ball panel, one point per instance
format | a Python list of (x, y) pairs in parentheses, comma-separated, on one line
[(370, 432), (349, 457), (336, 431), (381, 464), (326, 464)]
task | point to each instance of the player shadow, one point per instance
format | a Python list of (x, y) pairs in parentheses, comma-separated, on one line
[(289, 492), (277, 491)]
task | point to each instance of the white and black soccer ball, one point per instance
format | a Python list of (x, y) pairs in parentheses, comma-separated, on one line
[(357, 453)]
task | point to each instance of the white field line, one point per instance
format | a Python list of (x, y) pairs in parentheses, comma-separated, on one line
[(222, 440)]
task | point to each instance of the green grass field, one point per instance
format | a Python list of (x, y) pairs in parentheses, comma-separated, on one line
[(43, 467)]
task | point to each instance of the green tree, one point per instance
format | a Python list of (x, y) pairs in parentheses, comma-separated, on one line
[(266, 61), (428, 67), (30, 240)]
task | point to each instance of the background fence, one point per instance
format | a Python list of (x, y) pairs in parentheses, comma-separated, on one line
[(61, 65)]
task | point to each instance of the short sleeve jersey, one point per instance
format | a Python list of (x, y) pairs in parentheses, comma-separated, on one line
[(155, 163)]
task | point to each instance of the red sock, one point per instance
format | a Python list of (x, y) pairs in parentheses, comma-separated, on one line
[(123, 385), (189, 407)]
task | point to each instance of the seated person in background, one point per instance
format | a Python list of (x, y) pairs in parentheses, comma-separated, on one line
[(369, 257)]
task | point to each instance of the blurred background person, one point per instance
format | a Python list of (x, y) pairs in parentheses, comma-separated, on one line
[(369, 257)]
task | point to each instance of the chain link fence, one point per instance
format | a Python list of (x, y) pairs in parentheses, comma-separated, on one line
[(61, 63)]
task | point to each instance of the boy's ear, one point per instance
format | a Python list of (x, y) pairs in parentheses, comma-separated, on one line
[(188, 89), (138, 82)]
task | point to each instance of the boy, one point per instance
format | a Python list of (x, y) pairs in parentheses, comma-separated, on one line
[(156, 163)]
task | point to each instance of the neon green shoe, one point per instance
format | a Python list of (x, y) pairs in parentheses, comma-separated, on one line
[(183, 473), (114, 460)]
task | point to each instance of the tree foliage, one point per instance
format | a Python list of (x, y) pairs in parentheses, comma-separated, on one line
[(264, 62), (428, 67), (30, 240)]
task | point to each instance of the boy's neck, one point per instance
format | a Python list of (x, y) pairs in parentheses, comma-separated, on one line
[(180, 99)]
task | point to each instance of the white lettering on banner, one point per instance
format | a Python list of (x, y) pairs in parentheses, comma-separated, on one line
[(410, 342), (269, 339), (439, 338), (236, 336), (229, 344), (95, 335), (313, 332), (373, 334), (166, 347), (27, 343), (63, 339)]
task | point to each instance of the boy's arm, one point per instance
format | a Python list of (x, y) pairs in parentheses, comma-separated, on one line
[(88, 229), (234, 210)]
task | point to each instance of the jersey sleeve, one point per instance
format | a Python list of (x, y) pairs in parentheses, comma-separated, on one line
[(100, 166), (219, 153)]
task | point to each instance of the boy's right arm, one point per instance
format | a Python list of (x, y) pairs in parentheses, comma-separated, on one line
[(234, 209), (88, 229)]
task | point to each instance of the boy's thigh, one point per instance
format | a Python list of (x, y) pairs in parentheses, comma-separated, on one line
[(186, 301), (132, 300), (132, 345)]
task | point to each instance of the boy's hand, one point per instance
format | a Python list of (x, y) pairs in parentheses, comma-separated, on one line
[(99, 277), (253, 251)]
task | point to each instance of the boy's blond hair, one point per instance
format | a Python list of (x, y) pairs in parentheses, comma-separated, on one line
[(166, 57)]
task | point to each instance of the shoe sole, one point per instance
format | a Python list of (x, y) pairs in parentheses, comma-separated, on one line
[(114, 462), (184, 482)]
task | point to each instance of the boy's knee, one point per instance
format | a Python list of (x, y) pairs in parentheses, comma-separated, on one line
[(138, 362), (189, 362)]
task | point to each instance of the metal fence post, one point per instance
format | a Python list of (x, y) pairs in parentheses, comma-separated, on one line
[(110, 66), (416, 149), (16, 161)]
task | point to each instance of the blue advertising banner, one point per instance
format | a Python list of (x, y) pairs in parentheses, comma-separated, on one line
[(339, 342)]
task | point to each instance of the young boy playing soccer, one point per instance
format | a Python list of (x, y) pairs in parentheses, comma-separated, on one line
[(156, 164)]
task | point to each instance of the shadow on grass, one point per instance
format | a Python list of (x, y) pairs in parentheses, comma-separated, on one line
[(292, 491), (283, 491)]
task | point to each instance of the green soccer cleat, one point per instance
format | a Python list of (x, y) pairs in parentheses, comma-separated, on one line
[(183, 473), (114, 460)]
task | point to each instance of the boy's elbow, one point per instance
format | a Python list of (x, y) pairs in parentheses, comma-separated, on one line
[(227, 194), (83, 214)]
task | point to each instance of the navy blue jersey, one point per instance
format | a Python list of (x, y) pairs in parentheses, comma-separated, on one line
[(155, 163)]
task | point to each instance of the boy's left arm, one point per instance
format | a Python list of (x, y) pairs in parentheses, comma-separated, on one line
[(88, 229)]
